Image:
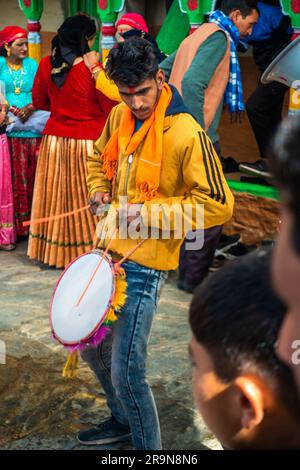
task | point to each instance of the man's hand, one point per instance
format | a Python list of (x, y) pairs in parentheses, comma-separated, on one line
[(99, 199), (129, 213)]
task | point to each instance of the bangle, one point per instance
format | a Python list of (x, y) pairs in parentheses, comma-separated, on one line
[(13, 109), (96, 70), (94, 66)]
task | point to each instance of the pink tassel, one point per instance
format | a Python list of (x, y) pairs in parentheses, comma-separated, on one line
[(96, 339)]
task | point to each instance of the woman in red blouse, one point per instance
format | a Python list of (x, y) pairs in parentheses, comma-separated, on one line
[(65, 86)]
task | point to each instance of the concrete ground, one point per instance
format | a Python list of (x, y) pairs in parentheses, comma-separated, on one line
[(41, 410)]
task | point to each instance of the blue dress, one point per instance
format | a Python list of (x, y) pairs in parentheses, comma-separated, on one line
[(24, 79)]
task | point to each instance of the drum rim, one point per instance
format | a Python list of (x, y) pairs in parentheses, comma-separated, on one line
[(84, 340)]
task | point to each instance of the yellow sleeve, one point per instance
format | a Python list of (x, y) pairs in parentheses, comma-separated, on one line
[(107, 87), (206, 185), (96, 180)]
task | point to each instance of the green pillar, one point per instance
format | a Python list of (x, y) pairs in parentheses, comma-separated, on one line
[(108, 11), (196, 11), (33, 10), (292, 8)]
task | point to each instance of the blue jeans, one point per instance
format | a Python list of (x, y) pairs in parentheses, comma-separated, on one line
[(119, 362)]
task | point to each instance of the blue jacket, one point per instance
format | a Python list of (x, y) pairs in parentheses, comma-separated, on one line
[(269, 21), (270, 35)]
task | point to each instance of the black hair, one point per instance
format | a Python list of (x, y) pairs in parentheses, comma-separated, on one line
[(132, 62), (246, 7), (70, 42), (3, 51), (236, 317), (285, 166), (141, 34)]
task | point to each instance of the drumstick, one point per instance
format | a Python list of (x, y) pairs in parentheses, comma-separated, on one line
[(53, 217)]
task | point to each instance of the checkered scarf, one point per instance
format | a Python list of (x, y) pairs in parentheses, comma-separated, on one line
[(234, 90)]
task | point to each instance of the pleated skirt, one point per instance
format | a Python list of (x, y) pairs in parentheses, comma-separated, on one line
[(60, 186), (24, 154)]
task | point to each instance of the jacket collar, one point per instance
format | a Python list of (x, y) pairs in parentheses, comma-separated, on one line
[(176, 106)]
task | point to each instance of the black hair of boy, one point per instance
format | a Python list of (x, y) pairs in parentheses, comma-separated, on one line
[(236, 316), (285, 167), (132, 62)]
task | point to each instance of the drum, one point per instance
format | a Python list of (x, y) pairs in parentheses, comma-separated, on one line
[(82, 300)]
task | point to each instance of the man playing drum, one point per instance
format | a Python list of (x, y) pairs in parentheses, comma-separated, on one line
[(153, 155)]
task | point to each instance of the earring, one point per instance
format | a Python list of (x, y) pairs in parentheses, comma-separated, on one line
[(8, 53)]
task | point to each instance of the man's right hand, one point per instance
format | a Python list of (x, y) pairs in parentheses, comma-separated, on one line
[(99, 199)]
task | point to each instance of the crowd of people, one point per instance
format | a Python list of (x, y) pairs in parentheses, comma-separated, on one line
[(77, 135)]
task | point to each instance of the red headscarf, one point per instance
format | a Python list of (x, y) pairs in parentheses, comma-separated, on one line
[(134, 20), (11, 33)]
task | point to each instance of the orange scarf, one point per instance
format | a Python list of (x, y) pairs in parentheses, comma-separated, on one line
[(124, 139)]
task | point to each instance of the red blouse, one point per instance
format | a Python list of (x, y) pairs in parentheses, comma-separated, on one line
[(78, 109)]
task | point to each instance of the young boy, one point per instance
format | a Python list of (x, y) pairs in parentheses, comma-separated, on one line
[(245, 394)]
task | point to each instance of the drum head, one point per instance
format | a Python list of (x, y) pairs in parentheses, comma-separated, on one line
[(72, 324)]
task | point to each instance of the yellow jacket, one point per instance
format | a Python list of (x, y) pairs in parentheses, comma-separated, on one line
[(190, 174)]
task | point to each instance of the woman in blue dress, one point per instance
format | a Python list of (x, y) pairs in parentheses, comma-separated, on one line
[(17, 71)]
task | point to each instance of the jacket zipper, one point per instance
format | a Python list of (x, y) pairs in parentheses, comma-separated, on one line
[(130, 159)]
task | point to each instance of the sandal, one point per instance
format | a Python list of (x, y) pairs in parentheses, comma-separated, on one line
[(9, 247)]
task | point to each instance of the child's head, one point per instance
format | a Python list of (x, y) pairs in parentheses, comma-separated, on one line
[(246, 395)]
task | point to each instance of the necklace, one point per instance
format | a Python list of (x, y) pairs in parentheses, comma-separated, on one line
[(14, 66), (17, 89)]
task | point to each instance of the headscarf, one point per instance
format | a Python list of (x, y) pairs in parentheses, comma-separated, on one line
[(12, 33), (134, 20), (70, 42), (141, 34)]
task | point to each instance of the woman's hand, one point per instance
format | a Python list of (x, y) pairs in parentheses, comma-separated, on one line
[(3, 110), (25, 112), (90, 58)]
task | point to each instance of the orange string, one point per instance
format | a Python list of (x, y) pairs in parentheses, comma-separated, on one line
[(54, 217)]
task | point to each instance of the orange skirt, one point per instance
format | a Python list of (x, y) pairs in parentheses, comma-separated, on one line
[(60, 186)]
